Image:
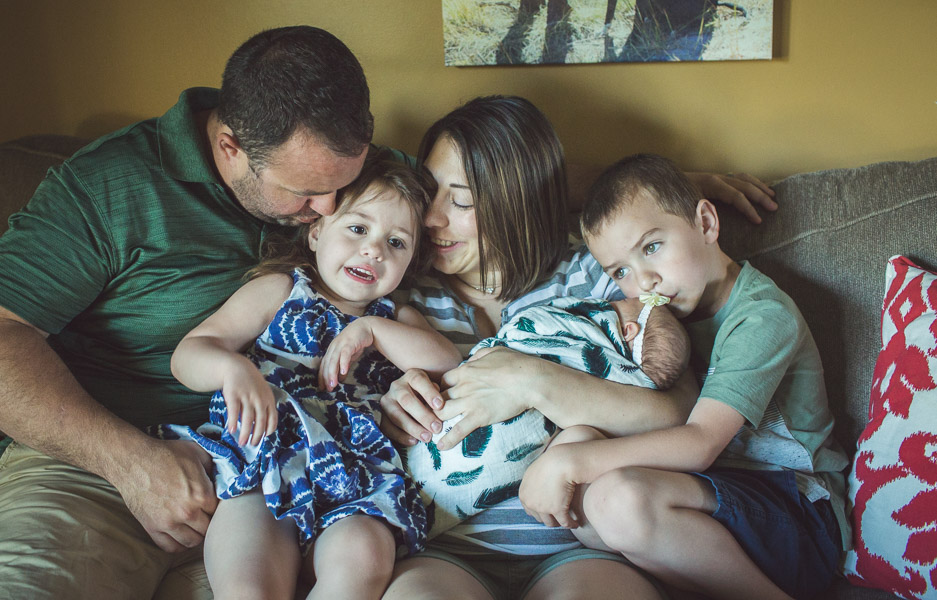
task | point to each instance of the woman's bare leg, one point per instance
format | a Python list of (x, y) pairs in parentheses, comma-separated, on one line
[(593, 578), (424, 578)]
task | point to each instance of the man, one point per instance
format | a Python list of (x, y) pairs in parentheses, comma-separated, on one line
[(123, 249)]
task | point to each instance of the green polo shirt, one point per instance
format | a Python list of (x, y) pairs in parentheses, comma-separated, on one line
[(122, 250)]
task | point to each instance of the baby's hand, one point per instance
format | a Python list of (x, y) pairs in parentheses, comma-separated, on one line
[(249, 400), (346, 348)]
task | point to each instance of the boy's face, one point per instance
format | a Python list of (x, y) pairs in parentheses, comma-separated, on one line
[(644, 249)]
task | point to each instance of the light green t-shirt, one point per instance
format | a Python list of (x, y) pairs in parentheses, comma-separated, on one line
[(757, 355)]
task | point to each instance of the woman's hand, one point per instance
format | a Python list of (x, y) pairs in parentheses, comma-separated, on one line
[(408, 409), (492, 386), (740, 190)]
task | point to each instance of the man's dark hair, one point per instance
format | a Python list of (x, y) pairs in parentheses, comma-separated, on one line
[(291, 78)]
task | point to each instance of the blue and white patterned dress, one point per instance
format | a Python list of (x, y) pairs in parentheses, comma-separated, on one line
[(327, 459)]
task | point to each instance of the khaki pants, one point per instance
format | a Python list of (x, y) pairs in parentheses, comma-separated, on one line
[(66, 533)]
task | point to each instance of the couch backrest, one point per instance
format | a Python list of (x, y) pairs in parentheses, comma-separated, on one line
[(23, 164), (827, 247)]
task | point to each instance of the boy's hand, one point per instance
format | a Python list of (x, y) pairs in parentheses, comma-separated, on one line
[(249, 400), (548, 487), (345, 349)]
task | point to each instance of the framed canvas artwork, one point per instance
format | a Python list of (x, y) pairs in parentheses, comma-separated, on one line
[(512, 32)]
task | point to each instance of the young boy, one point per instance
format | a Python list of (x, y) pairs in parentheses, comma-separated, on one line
[(746, 499)]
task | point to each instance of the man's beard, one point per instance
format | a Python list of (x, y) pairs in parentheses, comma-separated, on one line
[(248, 191)]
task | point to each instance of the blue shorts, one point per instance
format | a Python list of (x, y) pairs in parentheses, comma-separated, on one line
[(795, 542), (507, 577)]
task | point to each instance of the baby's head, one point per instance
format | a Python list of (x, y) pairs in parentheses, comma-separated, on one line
[(658, 342), (364, 249), (646, 224)]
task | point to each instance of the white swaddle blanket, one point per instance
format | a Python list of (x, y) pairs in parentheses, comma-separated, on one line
[(487, 467)]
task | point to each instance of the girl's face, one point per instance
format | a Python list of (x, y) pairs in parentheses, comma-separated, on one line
[(362, 252), (450, 220)]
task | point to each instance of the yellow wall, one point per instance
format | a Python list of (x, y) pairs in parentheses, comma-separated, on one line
[(852, 82)]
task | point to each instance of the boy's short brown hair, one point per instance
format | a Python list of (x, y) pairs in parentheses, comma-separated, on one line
[(618, 185)]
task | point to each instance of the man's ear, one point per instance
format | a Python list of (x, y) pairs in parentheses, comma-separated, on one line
[(630, 330), (228, 146), (707, 220)]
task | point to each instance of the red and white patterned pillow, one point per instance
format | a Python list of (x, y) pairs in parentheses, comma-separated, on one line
[(893, 483)]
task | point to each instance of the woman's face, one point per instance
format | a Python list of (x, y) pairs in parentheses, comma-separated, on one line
[(450, 220)]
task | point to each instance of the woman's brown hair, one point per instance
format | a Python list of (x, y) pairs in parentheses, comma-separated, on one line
[(516, 172)]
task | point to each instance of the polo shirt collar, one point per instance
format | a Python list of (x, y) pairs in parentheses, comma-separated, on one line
[(182, 151)]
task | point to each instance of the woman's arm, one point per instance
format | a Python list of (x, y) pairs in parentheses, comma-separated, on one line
[(501, 384)]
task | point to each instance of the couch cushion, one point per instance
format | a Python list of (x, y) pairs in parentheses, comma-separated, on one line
[(826, 245), (893, 483), (23, 164)]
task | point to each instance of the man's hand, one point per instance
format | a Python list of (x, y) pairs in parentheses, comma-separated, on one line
[(547, 488), (169, 491), (739, 190)]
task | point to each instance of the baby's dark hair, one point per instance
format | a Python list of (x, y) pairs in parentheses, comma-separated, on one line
[(618, 185), (666, 351), (284, 252)]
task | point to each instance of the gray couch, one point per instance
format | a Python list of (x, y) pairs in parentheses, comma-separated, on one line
[(827, 246)]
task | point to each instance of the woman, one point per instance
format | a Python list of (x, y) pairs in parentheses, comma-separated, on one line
[(499, 226)]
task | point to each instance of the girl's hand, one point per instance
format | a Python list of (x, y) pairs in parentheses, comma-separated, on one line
[(249, 400), (547, 488), (408, 409), (740, 190), (491, 387), (346, 348)]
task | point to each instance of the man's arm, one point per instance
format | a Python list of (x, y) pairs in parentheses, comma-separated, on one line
[(164, 484)]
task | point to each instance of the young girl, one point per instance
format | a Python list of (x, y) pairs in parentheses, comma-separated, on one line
[(296, 415)]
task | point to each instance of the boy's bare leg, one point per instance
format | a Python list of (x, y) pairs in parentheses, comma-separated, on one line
[(249, 553), (353, 558), (661, 521)]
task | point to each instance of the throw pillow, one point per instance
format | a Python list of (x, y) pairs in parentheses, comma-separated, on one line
[(893, 483)]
